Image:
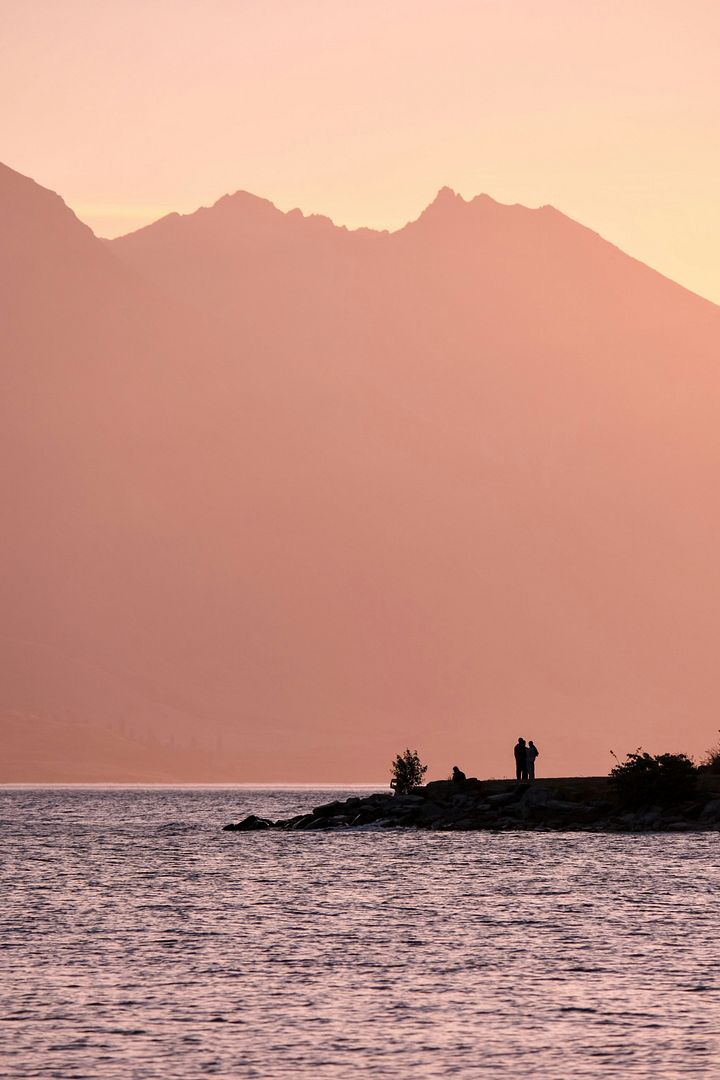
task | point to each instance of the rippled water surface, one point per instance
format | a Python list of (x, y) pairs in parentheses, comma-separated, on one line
[(138, 940)]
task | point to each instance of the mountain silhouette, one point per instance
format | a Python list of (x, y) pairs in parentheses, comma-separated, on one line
[(298, 495)]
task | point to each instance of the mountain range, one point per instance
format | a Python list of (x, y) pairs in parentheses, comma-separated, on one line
[(281, 498)]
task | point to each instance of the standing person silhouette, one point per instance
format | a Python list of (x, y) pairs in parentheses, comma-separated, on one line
[(530, 754), (520, 752)]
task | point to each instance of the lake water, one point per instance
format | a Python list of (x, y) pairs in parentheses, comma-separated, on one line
[(138, 940)]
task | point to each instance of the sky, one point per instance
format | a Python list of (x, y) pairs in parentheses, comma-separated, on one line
[(362, 111)]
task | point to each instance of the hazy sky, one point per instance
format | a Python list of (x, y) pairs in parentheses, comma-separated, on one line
[(362, 110)]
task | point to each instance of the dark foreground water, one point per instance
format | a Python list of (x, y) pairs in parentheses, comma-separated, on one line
[(138, 940)]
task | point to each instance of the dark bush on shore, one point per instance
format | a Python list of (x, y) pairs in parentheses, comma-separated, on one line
[(407, 772), (653, 779), (711, 762)]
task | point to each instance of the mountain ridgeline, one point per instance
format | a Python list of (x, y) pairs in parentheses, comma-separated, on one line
[(281, 497)]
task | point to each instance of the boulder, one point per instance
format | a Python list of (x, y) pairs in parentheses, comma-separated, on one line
[(711, 810), (339, 821), (535, 795), (316, 823), (504, 798), (431, 811), (249, 824), (561, 806), (465, 824), (407, 800), (300, 822), (367, 816), (440, 790), (328, 809), (651, 818), (466, 798)]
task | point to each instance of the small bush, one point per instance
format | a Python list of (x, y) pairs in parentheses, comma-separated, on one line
[(653, 779), (711, 762), (407, 772)]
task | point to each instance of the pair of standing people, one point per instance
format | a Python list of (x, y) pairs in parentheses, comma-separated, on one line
[(525, 754)]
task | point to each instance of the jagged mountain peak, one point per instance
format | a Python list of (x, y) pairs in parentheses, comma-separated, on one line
[(32, 214), (239, 212), (450, 207)]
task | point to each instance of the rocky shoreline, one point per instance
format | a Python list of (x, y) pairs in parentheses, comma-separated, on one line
[(577, 804)]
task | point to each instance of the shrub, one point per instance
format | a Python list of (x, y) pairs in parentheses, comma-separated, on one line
[(407, 772), (653, 779), (711, 762)]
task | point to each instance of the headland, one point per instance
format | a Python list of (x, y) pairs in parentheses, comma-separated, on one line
[(566, 804)]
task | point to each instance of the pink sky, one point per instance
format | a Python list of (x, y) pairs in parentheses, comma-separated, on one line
[(363, 110)]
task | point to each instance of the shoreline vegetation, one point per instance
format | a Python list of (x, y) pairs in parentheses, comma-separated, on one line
[(567, 804)]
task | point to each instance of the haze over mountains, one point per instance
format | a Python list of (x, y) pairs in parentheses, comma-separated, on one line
[(281, 499)]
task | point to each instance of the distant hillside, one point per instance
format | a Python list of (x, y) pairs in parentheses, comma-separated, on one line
[(298, 497)]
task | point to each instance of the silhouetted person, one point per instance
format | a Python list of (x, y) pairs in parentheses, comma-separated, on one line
[(520, 752), (458, 775), (530, 754)]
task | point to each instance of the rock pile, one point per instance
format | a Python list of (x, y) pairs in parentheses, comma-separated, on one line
[(579, 804)]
